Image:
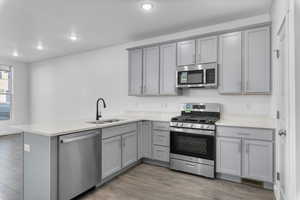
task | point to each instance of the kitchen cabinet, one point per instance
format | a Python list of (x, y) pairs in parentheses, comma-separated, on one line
[(145, 142), (168, 69), (230, 63), (229, 156), (257, 61), (129, 149), (111, 156), (186, 52), (258, 162), (161, 141), (207, 50), (245, 152), (135, 68), (151, 71)]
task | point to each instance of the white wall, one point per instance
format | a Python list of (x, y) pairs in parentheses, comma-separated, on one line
[(67, 87), (20, 101)]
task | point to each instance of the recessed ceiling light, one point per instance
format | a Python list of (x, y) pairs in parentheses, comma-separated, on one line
[(15, 53), (73, 37), (147, 6), (40, 46)]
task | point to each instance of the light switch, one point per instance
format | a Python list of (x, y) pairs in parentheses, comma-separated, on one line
[(27, 147)]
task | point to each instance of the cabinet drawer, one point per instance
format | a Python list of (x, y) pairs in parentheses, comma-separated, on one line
[(164, 126), (248, 133), (161, 138), (161, 153), (118, 130)]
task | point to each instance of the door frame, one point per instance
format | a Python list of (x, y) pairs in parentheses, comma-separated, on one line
[(288, 22)]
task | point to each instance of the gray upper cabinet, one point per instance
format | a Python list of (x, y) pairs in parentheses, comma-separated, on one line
[(229, 156), (135, 69), (129, 150), (258, 160), (111, 156), (151, 71), (186, 52), (207, 50), (230, 63), (168, 69), (257, 61)]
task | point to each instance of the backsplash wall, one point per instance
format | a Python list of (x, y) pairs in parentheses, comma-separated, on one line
[(67, 88)]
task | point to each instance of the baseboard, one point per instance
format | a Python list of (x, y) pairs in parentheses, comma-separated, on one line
[(156, 163)]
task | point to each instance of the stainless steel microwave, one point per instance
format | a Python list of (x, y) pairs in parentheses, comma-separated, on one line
[(193, 76)]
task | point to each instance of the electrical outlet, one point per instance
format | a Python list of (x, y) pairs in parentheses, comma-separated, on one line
[(27, 147)]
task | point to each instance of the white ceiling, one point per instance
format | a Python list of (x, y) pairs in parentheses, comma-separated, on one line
[(100, 23)]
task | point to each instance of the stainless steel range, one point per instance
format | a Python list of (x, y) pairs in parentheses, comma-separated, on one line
[(192, 142)]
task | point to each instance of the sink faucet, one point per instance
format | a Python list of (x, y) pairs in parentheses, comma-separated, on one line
[(98, 116)]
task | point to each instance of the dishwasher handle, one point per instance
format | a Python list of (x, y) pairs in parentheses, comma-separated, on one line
[(76, 138)]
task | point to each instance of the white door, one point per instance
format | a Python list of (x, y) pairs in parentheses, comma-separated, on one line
[(258, 160), (129, 150), (111, 156), (151, 71), (186, 52), (230, 63), (283, 109), (229, 156), (207, 50)]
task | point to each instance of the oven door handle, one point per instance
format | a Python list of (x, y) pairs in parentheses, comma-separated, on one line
[(192, 131)]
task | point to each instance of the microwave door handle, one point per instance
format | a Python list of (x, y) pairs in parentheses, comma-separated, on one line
[(204, 76)]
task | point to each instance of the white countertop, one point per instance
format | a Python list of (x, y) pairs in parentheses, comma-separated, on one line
[(57, 128), (247, 121), (9, 131)]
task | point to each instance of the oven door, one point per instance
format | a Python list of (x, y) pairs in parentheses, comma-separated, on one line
[(193, 144)]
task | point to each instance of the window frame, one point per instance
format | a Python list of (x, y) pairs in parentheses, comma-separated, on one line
[(10, 93)]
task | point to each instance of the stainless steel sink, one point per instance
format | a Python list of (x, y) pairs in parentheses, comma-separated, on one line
[(105, 121)]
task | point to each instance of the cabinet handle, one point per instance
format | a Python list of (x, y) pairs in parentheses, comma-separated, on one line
[(240, 148)]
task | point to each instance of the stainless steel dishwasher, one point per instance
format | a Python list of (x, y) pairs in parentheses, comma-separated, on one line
[(79, 161)]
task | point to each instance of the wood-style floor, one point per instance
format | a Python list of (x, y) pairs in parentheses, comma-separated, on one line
[(146, 182), (11, 161)]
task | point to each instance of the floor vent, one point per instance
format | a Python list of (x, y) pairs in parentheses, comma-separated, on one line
[(259, 184)]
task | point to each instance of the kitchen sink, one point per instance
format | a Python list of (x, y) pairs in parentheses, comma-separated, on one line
[(105, 121)]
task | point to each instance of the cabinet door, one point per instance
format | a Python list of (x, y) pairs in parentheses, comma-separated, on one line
[(207, 50), (258, 160), (151, 71), (229, 156), (186, 52), (168, 69), (146, 146), (129, 150), (135, 72), (257, 61), (230, 63), (111, 156)]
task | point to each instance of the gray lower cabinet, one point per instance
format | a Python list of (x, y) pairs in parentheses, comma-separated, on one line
[(135, 69), (258, 162), (129, 149), (151, 71), (168, 69), (229, 156), (160, 141), (257, 61), (245, 153), (230, 63), (145, 141), (111, 156)]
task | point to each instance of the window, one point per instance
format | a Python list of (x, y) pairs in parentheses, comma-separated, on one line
[(5, 92)]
